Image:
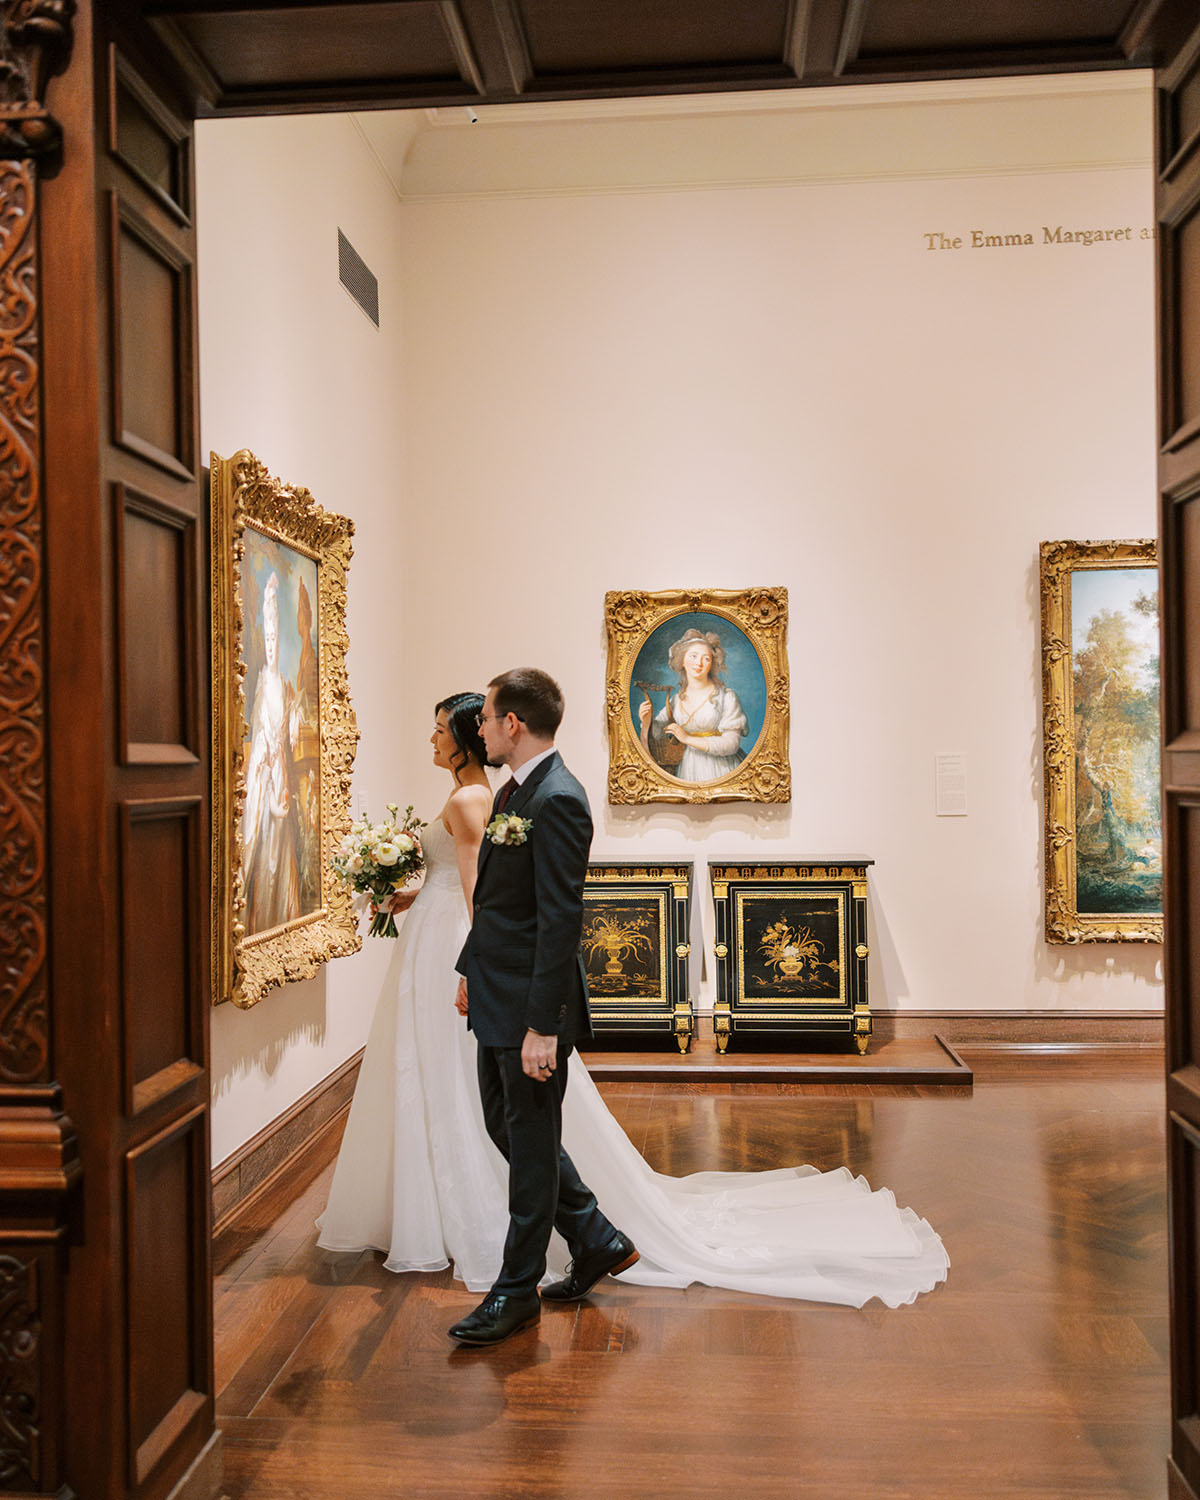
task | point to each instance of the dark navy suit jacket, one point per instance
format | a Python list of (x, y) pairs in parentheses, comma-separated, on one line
[(522, 959)]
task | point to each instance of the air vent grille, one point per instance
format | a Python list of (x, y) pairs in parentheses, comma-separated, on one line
[(358, 279)]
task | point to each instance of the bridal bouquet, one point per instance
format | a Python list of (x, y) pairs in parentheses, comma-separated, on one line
[(377, 860)]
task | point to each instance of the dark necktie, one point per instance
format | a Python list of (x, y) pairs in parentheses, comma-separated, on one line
[(506, 792)]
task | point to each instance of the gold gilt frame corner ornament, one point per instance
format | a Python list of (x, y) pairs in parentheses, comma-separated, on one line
[(263, 526), (751, 625), (1076, 763)]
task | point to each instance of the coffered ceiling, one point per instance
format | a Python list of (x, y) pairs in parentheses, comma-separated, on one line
[(249, 56)]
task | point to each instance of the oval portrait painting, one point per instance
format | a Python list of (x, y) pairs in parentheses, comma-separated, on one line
[(697, 696)]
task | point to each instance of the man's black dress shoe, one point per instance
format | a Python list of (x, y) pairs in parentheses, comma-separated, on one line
[(497, 1318), (614, 1255)]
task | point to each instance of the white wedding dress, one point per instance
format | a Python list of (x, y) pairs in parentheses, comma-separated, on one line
[(418, 1178)]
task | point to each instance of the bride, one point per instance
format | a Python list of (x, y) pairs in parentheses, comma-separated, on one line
[(418, 1178)]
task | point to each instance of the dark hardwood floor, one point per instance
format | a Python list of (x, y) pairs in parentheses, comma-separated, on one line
[(1039, 1370)]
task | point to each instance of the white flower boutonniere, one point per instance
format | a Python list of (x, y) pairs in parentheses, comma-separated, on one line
[(509, 828)]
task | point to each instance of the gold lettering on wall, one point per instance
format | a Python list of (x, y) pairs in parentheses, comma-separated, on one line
[(1046, 234)]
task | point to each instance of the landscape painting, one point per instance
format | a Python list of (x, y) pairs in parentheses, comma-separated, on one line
[(1100, 716), (1114, 674)]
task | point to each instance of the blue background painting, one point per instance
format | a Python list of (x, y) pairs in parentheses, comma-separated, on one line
[(743, 669)]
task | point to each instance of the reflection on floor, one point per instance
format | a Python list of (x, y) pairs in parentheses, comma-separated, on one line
[(1039, 1370)]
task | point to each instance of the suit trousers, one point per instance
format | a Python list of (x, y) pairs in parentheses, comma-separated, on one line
[(524, 1118)]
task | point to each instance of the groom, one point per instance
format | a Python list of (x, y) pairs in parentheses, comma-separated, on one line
[(525, 995)]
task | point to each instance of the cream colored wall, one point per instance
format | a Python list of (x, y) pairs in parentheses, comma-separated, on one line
[(292, 368), (783, 385), (724, 385)]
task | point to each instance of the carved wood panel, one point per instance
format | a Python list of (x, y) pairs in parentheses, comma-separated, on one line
[(23, 1021)]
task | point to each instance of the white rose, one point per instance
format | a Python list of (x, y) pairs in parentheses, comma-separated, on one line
[(387, 853), (403, 843), (354, 864)]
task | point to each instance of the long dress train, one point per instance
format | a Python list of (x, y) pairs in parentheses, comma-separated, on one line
[(418, 1178)]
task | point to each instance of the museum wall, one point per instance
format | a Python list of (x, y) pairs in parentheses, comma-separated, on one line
[(292, 368), (794, 383), (707, 382)]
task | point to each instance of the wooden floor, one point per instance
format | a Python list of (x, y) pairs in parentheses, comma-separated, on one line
[(925, 1059), (1039, 1370)]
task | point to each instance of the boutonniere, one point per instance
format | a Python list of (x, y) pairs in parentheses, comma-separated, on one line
[(509, 828)]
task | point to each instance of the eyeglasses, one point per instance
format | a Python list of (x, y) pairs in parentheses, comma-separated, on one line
[(481, 719)]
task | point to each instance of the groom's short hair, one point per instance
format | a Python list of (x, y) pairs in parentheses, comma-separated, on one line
[(533, 696)]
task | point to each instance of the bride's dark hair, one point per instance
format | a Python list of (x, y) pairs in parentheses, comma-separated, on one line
[(460, 710)]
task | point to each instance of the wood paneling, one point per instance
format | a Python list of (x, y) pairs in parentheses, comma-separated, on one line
[(152, 378), (155, 572), (1185, 265), (406, 43), (128, 716), (276, 55), (167, 1324), (1178, 202), (1182, 527), (908, 26), (149, 141), (163, 1004), (573, 38)]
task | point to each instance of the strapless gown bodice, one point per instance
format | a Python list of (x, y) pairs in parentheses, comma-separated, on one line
[(441, 864)]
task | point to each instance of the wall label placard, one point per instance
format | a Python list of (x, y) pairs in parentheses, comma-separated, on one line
[(980, 239)]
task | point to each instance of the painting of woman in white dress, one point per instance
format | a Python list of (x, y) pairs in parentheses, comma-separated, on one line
[(713, 696), (281, 823)]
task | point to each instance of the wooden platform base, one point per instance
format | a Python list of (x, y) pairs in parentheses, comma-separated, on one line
[(929, 1060)]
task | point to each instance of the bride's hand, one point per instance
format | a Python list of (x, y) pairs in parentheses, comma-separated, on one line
[(401, 901)]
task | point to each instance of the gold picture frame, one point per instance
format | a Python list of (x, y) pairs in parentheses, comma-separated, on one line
[(1100, 737), (666, 756), (281, 768)]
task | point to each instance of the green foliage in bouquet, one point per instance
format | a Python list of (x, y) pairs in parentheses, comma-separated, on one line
[(377, 860)]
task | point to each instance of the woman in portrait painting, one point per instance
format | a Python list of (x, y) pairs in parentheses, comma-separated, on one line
[(269, 826), (697, 734)]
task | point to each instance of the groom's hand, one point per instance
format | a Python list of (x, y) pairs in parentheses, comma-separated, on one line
[(460, 999), (539, 1056)]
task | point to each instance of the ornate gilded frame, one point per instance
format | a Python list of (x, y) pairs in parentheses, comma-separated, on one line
[(1064, 922), (631, 617), (245, 496)]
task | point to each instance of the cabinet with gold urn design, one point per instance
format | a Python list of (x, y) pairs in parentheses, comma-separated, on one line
[(636, 921), (791, 949)]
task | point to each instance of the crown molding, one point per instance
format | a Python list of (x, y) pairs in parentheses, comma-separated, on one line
[(784, 101)]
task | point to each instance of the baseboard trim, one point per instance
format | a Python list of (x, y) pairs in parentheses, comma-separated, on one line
[(1057, 1030), (203, 1478), (1177, 1486), (302, 1136)]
